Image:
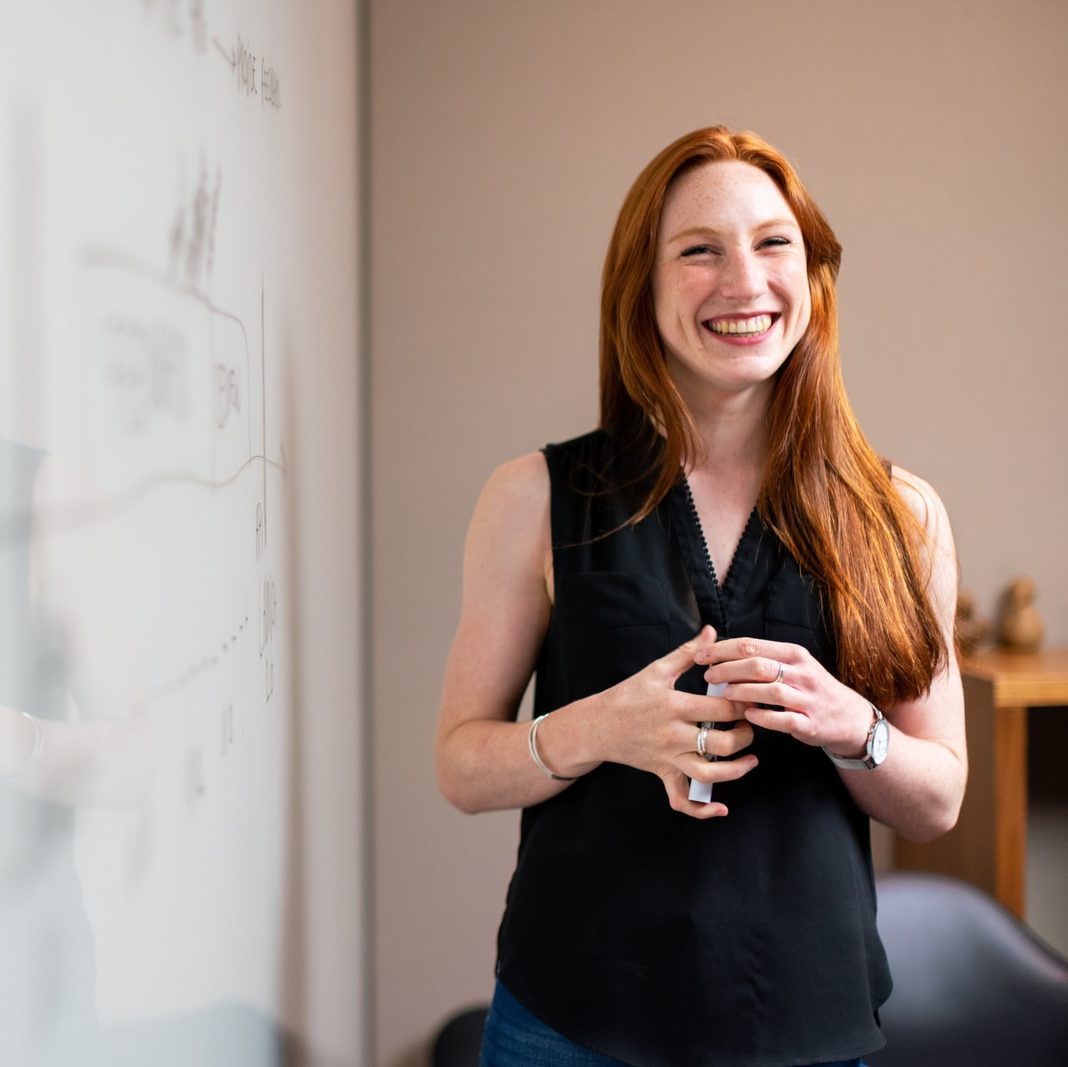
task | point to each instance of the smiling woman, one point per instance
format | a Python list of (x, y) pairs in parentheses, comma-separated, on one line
[(729, 281), (726, 551), (729, 284)]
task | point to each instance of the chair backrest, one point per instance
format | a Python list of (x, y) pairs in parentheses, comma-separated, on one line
[(459, 1041), (972, 984)]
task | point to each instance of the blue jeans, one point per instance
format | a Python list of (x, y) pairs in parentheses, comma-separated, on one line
[(515, 1038)]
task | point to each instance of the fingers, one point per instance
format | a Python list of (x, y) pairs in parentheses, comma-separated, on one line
[(677, 785), (696, 650), (760, 672), (759, 669), (719, 770), (724, 744), (777, 695), (718, 744), (784, 688), (749, 648), (690, 708), (783, 722), (749, 658)]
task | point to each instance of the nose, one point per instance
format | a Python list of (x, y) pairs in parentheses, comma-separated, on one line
[(742, 277)]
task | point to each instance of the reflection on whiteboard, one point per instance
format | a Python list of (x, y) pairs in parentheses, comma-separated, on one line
[(145, 707)]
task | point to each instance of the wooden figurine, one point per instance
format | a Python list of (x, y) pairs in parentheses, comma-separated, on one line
[(1020, 627), (972, 631)]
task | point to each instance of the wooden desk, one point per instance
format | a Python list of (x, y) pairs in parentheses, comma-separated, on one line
[(988, 847)]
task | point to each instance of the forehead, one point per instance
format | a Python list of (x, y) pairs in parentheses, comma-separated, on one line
[(728, 193)]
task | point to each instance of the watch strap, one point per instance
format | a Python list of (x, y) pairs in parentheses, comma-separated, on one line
[(865, 762)]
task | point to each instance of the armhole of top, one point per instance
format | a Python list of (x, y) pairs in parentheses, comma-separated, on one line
[(551, 454)]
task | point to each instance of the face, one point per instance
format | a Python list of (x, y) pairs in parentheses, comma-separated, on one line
[(730, 283)]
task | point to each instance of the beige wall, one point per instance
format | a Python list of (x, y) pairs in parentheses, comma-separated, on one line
[(504, 136)]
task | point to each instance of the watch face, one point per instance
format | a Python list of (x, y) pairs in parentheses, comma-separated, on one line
[(880, 742)]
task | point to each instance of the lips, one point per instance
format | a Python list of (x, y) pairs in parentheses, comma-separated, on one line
[(741, 327)]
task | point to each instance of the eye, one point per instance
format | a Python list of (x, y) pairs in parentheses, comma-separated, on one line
[(775, 242), (699, 250)]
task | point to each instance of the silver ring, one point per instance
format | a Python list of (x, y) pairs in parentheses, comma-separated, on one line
[(702, 738), (782, 673)]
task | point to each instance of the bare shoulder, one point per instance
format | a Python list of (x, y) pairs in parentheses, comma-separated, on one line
[(510, 528), (514, 502), (920, 497), (923, 501), (506, 606), (521, 482)]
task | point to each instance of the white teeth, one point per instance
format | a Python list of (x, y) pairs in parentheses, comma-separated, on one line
[(757, 324)]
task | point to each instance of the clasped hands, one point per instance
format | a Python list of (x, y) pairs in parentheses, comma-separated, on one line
[(655, 726)]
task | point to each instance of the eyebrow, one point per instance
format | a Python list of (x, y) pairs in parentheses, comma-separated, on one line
[(705, 231)]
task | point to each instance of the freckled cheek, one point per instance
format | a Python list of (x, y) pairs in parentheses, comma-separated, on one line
[(674, 305)]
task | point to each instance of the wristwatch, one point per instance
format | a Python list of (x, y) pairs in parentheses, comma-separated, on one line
[(875, 749)]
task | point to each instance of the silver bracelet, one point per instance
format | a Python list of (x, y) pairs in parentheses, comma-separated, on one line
[(532, 744), (38, 745)]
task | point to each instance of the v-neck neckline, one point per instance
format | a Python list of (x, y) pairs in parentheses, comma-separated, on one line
[(714, 596)]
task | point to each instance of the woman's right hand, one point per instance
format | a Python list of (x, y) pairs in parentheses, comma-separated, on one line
[(646, 723)]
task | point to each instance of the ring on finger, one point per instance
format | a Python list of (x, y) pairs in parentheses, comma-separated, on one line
[(702, 739), (782, 672)]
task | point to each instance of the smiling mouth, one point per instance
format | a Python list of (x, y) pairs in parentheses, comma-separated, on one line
[(757, 324)]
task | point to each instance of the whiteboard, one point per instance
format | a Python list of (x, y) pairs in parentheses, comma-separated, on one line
[(152, 287)]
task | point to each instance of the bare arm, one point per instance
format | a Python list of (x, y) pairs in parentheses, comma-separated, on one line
[(481, 753), (927, 764), (919, 788), (482, 757)]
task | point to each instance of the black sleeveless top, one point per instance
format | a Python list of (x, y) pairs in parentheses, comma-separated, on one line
[(655, 938)]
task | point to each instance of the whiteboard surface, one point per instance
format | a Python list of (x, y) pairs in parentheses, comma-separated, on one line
[(157, 289)]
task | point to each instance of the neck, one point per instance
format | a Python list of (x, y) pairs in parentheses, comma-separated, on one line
[(732, 429)]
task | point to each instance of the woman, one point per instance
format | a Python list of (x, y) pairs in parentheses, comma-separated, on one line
[(729, 494)]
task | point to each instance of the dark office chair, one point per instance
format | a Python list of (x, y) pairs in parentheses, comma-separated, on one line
[(972, 984), (459, 1040)]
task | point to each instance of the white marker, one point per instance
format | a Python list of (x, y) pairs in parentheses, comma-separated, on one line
[(702, 791)]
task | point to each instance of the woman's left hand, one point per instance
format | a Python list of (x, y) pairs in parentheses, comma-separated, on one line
[(918, 789), (816, 708)]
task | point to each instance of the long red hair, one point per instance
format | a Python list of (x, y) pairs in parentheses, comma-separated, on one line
[(825, 493)]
